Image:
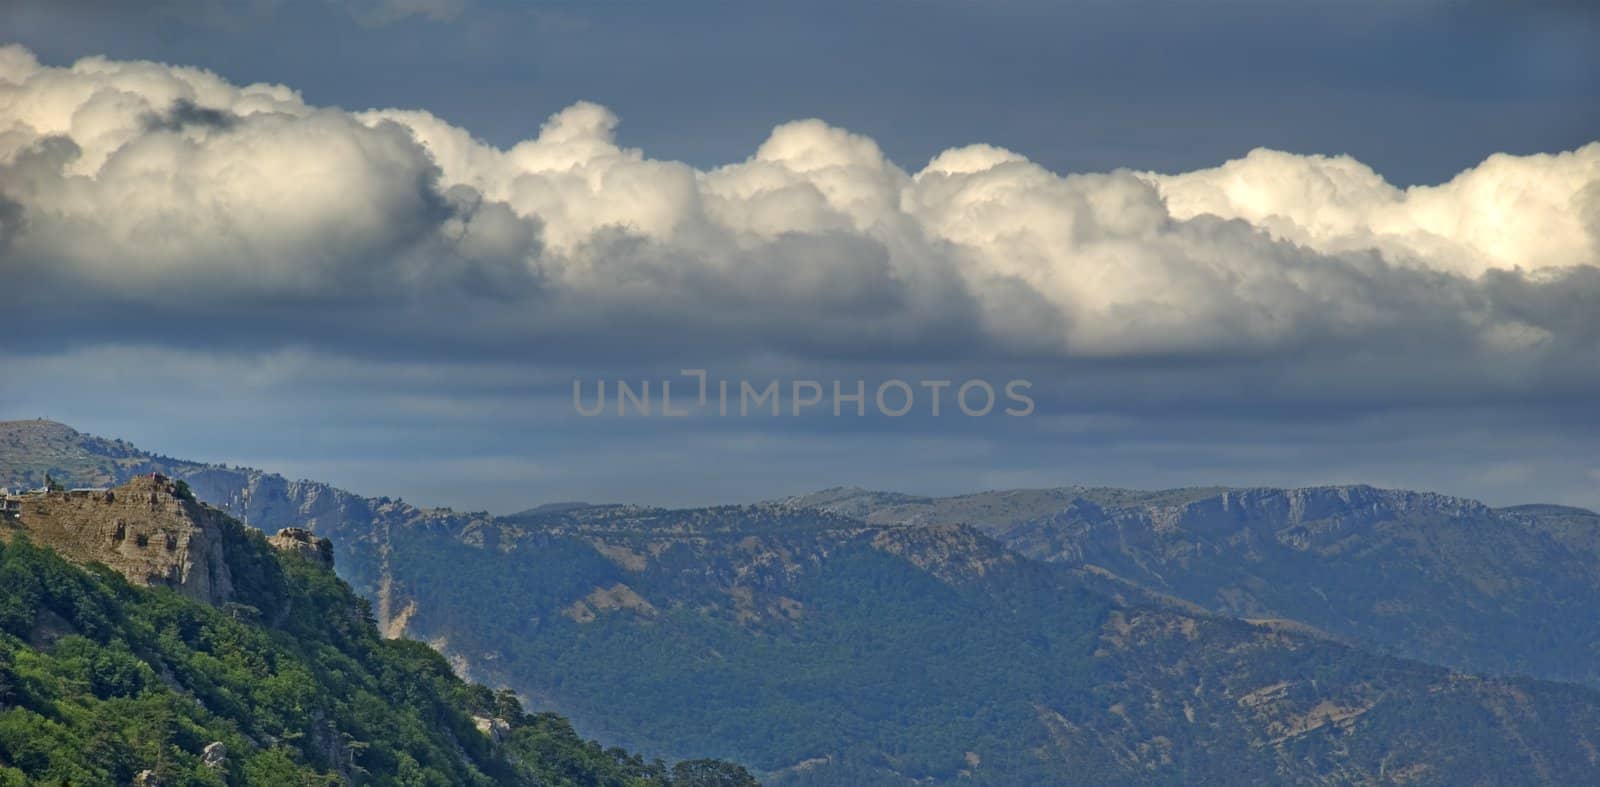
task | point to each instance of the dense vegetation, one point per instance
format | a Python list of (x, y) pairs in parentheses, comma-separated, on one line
[(1440, 579), (861, 656), (101, 680), (882, 667)]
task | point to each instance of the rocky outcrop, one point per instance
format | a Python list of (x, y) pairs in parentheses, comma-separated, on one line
[(299, 541), (496, 729), (361, 528), (150, 530), (951, 553), (215, 755)]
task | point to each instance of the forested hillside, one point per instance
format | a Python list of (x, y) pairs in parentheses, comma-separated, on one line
[(1432, 577), (105, 682)]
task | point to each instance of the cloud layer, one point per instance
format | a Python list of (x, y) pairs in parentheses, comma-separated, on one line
[(137, 198), (228, 271)]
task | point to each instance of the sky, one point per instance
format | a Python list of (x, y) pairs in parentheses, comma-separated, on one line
[(379, 243)]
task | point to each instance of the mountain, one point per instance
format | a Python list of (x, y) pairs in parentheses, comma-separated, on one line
[(1425, 576), (359, 527), (148, 639), (869, 638), (150, 530), (823, 650)]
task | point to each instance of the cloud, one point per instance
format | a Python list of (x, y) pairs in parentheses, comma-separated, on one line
[(1533, 212), (185, 113), (160, 196)]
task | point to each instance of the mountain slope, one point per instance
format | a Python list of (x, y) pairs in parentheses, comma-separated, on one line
[(822, 650), (284, 681), (824, 642), (359, 527), (1426, 576)]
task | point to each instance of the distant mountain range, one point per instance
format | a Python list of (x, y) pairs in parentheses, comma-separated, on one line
[(1430, 577), (1074, 635)]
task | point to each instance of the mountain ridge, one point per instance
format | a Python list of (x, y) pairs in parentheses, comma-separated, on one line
[(888, 639), (1443, 579)]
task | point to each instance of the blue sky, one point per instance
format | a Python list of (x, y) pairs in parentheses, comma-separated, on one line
[(371, 300)]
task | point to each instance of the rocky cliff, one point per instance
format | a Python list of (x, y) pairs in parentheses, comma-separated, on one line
[(360, 528), (151, 530), (300, 541)]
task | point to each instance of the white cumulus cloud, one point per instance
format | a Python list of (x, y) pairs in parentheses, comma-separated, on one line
[(142, 183)]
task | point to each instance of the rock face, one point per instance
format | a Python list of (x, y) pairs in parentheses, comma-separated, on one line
[(150, 530), (303, 542), (215, 755), (360, 527), (495, 729)]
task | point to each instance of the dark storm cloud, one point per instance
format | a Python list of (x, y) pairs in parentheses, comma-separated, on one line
[(11, 219)]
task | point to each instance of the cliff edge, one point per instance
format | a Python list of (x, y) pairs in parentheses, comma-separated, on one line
[(151, 530)]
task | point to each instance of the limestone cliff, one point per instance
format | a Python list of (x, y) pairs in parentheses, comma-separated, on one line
[(302, 542), (150, 530), (361, 528)]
